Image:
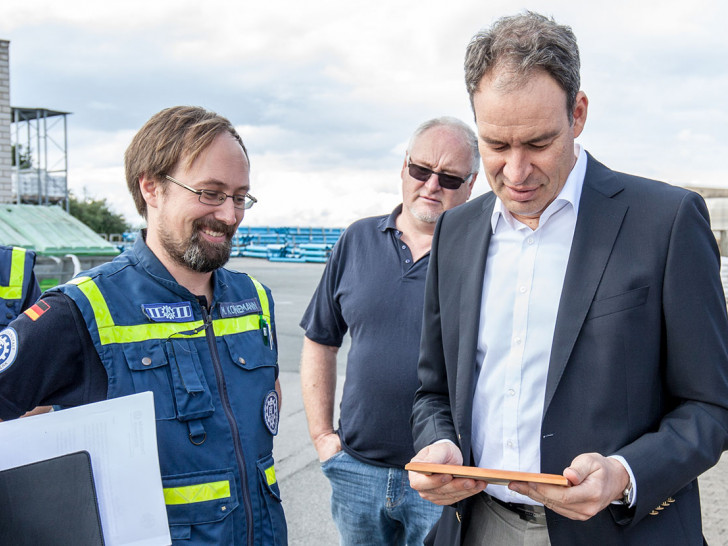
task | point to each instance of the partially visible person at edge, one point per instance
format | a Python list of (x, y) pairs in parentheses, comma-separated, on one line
[(166, 317), (574, 324), (373, 286), (18, 291), (18, 286)]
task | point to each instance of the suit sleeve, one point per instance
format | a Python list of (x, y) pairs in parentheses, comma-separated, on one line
[(431, 413), (694, 430)]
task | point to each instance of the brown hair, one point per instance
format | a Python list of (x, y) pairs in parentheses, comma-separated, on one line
[(180, 132), (521, 44)]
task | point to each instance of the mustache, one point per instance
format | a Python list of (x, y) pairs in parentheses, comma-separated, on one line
[(214, 225)]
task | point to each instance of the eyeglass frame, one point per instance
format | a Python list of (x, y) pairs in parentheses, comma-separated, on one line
[(463, 180), (248, 202)]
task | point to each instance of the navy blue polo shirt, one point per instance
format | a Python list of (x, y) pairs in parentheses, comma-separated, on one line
[(372, 288)]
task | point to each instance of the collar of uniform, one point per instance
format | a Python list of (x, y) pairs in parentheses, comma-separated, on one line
[(569, 194), (154, 267), (390, 222)]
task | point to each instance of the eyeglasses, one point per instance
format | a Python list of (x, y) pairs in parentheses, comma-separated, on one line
[(447, 181), (217, 198)]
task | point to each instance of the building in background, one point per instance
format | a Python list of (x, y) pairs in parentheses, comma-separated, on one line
[(33, 182), (5, 154)]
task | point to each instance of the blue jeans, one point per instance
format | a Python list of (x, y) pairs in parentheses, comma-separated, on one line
[(375, 505)]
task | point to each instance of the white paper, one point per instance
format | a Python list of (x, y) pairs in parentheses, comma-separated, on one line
[(120, 435)]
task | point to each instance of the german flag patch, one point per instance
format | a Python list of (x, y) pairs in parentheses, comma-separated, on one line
[(37, 310)]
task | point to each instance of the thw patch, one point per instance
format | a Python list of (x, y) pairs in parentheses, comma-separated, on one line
[(168, 312), (8, 348), (271, 414), (37, 310)]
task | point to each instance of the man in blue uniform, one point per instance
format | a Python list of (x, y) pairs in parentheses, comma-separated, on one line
[(374, 286), (166, 317), (18, 287)]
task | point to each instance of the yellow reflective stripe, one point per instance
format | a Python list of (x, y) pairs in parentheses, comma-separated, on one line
[(228, 326), (97, 301), (197, 493), (14, 289), (270, 475), (111, 333), (263, 297)]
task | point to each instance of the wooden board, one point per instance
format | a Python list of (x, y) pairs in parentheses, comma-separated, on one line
[(497, 477)]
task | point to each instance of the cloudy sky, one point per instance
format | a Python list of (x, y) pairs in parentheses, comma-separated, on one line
[(325, 94)]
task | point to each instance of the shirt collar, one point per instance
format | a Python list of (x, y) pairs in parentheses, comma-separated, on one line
[(390, 222), (570, 194)]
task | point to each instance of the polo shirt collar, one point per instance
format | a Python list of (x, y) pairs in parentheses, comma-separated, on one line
[(390, 222)]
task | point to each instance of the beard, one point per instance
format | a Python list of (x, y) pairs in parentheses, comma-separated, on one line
[(424, 215), (196, 253)]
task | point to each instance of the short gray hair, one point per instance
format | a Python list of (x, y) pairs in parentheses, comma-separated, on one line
[(461, 127), (521, 44)]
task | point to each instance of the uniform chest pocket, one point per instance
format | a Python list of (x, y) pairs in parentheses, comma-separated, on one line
[(252, 349), (172, 371), (149, 369), (191, 394)]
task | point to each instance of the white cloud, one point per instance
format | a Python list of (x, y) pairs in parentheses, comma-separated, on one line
[(325, 94)]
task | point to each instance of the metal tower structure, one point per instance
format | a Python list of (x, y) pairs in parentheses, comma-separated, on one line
[(40, 143)]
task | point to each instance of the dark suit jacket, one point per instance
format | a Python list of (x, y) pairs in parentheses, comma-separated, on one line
[(639, 361)]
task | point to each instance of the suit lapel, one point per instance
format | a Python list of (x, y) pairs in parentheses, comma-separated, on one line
[(597, 226), (477, 236)]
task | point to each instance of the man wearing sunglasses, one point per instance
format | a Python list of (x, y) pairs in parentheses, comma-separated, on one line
[(575, 324), (166, 317), (373, 286)]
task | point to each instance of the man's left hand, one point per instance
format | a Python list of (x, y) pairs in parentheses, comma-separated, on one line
[(596, 482)]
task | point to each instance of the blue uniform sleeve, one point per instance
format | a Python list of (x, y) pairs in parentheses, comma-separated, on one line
[(47, 357)]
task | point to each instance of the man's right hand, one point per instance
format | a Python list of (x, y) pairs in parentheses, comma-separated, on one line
[(443, 488), (327, 445)]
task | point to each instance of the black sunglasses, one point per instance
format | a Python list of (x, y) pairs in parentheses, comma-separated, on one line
[(447, 181)]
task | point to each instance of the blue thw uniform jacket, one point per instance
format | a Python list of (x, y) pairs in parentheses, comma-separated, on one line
[(212, 371)]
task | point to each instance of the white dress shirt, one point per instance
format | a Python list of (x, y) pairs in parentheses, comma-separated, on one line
[(522, 286)]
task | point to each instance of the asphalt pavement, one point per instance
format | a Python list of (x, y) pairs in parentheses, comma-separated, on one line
[(304, 488)]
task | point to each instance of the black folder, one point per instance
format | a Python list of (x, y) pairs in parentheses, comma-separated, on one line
[(50, 503)]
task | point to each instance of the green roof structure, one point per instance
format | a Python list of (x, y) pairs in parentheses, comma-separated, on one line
[(50, 231)]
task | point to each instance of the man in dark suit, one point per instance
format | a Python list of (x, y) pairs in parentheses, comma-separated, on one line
[(574, 324)]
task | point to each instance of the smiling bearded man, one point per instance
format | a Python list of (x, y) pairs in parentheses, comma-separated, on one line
[(166, 317)]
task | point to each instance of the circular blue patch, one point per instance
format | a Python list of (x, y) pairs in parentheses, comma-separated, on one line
[(8, 348), (270, 412)]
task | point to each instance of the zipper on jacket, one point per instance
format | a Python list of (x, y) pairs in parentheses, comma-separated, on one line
[(225, 402)]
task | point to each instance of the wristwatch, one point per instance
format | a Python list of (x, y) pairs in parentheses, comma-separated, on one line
[(627, 495)]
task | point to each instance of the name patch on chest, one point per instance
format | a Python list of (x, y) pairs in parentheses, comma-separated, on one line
[(240, 308), (168, 312)]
